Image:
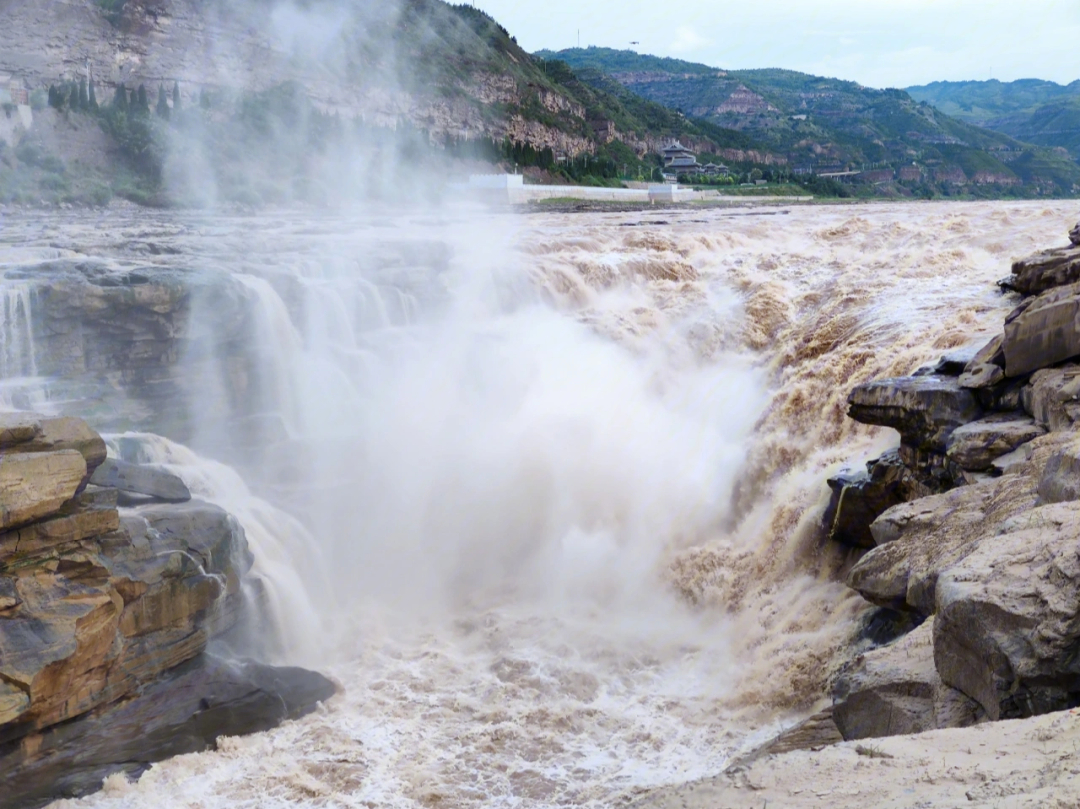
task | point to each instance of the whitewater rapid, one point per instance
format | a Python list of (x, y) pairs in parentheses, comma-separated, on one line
[(551, 519)]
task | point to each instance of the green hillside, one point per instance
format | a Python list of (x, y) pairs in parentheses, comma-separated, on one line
[(1031, 110), (823, 125), (980, 102)]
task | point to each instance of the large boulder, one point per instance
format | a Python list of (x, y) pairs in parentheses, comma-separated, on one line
[(1007, 631), (1045, 332), (975, 446), (1046, 270), (34, 485), (918, 540), (895, 690), (1074, 235), (185, 711), (923, 409)]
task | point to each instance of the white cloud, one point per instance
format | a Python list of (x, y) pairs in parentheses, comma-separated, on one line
[(687, 40)]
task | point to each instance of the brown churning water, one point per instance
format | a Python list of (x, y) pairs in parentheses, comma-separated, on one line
[(576, 553)]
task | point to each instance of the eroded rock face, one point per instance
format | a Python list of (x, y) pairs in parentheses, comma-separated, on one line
[(1008, 624), (859, 497), (98, 618), (1046, 270), (923, 409), (1074, 235), (1060, 481), (895, 690)]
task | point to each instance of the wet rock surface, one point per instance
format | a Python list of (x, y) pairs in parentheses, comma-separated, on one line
[(184, 711), (99, 607), (136, 479)]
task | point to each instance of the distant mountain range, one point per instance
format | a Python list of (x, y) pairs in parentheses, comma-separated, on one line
[(1032, 110), (828, 126)]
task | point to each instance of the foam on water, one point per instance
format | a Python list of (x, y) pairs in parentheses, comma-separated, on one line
[(565, 497)]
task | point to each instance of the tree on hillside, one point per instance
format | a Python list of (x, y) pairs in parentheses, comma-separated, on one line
[(120, 100), (84, 98), (176, 96), (142, 102), (92, 97), (54, 96), (162, 103)]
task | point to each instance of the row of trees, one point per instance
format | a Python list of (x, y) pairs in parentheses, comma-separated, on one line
[(81, 96)]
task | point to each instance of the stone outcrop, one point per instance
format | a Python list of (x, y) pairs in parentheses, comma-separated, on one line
[(98, 605), (1052, 397), (859, 497), (896, 690)]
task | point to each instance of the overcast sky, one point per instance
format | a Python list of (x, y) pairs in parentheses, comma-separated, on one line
[(878, 43)]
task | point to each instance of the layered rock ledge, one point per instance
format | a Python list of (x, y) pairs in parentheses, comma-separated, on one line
[(106, 616)]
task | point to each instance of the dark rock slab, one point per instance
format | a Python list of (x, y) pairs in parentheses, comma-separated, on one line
[(143, 480), (923, 409), (895, 690), (1046, 332), (1074, 235), (1046, 270), (860, 497), (185, 711)]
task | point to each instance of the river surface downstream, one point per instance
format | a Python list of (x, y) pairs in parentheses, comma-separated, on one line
[(550, 514)]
